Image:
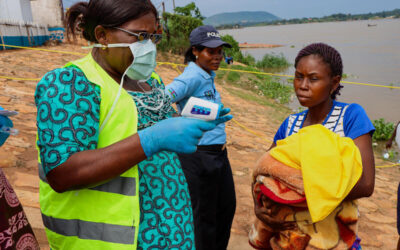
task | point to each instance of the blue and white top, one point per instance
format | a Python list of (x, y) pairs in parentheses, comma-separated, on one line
[(347, 120), (195, 81)]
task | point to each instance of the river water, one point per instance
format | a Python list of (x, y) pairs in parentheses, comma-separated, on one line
[(370, 54)]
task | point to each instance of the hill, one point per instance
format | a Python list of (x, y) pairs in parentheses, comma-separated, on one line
[(242, 18)]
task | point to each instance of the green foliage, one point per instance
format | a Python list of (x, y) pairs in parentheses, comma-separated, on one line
[(274, 89), (383, 130), (263, 85), (235, 45), (189, 10), (270, 61), (179, 26), (233, 76), (175, 45), (235, 51), (220, 74)]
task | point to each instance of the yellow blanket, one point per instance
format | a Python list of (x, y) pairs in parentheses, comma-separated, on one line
[(330, 165)]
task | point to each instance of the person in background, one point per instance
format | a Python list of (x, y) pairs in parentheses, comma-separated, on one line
[(396, 136), (15, 230), (208, 170), (229, 59), (316, 83), (93, 194)]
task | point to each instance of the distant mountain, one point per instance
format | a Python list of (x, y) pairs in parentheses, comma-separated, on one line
[(241, 18)]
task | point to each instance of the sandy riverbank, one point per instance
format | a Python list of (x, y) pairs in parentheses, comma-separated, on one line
[(18, 157), (258, 45)]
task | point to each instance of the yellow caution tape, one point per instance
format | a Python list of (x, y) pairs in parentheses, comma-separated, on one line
[(251, 131), (20, 79), (175, 66), (225, 69), (388, 166), (47, 50), (283, 75), (372, 85)]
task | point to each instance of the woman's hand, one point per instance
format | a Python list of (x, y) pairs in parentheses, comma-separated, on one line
[(179, 134), (389, 144), (90, 167), (266, 211)]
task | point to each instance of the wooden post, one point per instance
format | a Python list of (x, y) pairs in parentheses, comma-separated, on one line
[(29, 36), (2, 41), (173, 1), (62, 11), (163, 7)]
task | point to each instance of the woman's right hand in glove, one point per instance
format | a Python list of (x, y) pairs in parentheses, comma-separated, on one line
[(180, 134)]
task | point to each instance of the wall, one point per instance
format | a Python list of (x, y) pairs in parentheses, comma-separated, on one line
[(16, 10), (22, 34), (26, 10), (47, 12)]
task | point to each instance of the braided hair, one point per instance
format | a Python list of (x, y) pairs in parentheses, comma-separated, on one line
[(329, 55), (85, 16)]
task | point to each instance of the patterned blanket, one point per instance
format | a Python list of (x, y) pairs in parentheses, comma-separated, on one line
[(280, 189)]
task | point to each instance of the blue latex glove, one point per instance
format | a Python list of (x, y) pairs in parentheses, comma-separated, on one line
[(178, 134), (4, 121)]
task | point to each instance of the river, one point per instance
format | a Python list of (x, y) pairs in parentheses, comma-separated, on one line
[(370, 54)]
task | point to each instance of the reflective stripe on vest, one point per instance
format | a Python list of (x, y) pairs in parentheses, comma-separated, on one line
[(105, 216), (90, 230), (118, 185)]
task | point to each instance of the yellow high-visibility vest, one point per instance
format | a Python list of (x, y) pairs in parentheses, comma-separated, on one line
[(105, 216)]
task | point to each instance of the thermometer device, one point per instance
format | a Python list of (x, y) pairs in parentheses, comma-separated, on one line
[(201, 109)]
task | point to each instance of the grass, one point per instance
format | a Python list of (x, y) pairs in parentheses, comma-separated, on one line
[(263, 85), (271, 61), (280, 111), (233, 76), (220, 74)]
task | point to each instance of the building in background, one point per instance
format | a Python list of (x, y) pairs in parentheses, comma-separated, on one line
[(30, 22), (16, 10), (47, 12)]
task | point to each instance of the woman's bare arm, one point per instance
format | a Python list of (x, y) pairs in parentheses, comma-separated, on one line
[(89, 167), (365, 185)]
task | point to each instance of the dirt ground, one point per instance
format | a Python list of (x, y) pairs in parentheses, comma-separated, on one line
[(18, 157)]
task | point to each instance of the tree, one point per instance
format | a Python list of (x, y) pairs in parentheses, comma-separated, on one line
[(179, 26), (189, 10)]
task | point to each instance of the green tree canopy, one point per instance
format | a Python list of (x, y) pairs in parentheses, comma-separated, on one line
[(179, 26), (189, 10)]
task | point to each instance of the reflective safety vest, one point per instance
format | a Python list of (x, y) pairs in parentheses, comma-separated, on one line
[(105, 216)]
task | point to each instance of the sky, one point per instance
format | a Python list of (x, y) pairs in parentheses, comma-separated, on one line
[(286, 9)]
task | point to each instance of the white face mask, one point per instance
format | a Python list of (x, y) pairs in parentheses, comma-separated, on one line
[(144, 61), (144, 58)]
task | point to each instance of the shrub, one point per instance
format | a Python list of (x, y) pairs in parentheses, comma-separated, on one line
[(383, 130), (177, 28), (270, 61), (233, 76)]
